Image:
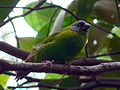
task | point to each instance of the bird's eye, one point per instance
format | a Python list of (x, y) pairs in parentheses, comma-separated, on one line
[(85, 27), (81, 24)]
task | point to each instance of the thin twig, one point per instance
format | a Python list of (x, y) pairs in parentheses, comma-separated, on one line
[(105, 79), (15, 7), (87, 86), (86, 50), (45, 7), (26, 13), (15, 33), (51, 21), (39, 85), (89, 61), (37, 8), (106, 54), (56, 6), (118, 12), (102, 29)]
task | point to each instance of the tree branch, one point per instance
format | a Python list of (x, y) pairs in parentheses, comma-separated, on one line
[(66, 69), (103, 79), (13, 50), (88, 61), (60, 69)]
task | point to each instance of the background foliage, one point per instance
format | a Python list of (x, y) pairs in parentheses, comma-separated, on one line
[(102, 13)]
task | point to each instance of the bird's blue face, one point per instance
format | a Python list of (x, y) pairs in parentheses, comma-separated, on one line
[(80, 25)]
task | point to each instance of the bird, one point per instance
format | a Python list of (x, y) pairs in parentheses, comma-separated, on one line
[(59, 47)]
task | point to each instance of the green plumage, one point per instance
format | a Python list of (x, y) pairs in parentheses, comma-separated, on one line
[(62, 46)]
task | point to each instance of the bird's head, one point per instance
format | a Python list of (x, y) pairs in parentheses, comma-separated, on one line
[(80, 26)]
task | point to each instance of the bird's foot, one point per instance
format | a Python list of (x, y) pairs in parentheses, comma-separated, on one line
[(47, 61), (69, 65)]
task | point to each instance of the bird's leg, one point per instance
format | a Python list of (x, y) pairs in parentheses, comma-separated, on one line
[(86, 49), (47, 61), (30, 55), (69, 65)]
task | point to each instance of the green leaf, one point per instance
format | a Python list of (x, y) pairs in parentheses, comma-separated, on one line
[(111, 74), (1, 87), (51, 82), (4, 12), (106, 12), (104, 49), (53, 76), (3, 79), (97, 38), (70, 82), (114, 44), (62, 80), (39, 18), (52, 79), (27, 43), (82, 8), (43, 33), (116, 30), (106, 88), (68, 20)]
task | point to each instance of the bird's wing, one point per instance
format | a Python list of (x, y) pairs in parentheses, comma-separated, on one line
[(37, 46), (49, 39)]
